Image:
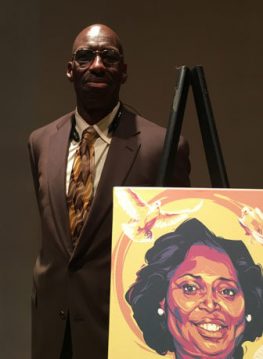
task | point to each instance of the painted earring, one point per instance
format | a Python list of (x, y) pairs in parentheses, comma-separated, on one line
[(160, 312), (248, 318)]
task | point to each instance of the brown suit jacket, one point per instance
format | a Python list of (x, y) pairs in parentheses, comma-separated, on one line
[(77, 281)]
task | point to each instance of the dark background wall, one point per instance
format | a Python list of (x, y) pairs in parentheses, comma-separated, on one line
[(224, 36)]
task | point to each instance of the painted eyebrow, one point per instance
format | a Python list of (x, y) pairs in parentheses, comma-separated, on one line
[(199, 277)]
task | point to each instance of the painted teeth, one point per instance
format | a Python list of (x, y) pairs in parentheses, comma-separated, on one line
[(210, 327)]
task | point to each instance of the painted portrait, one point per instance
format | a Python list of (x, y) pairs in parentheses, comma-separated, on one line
[(187, 276)]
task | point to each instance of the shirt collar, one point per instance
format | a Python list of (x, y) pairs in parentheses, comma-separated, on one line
[(101, 127)]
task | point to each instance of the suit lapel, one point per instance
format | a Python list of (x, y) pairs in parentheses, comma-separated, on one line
[(57, 162), (121, 156)]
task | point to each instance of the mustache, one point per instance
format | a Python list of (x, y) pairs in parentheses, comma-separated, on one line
[(96, 77)]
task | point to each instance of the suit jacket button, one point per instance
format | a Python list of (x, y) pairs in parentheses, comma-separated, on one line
[(62, 314)]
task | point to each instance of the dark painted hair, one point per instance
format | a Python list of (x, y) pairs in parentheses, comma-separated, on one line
[(152, 282)]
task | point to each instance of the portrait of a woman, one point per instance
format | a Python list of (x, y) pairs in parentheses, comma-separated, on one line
[(198, 295)]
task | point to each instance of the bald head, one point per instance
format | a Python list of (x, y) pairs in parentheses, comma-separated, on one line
[(97, 32)]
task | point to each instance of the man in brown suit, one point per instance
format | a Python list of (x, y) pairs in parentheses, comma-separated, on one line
[(70, 300)]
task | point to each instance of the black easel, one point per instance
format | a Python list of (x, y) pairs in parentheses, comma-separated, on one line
[(214, 157)]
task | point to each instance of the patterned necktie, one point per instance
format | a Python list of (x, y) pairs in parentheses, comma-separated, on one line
[(80, 192)]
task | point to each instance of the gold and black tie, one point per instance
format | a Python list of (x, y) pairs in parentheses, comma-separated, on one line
[(81, 186)]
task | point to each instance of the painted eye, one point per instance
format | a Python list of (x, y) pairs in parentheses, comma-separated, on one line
[(189, 288), (229, 292)]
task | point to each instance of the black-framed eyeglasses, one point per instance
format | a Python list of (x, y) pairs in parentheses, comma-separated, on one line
[(108, 56)]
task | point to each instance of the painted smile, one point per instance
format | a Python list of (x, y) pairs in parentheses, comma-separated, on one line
[(211, 329)]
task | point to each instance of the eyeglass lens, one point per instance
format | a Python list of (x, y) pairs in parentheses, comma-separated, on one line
[(108, 56)]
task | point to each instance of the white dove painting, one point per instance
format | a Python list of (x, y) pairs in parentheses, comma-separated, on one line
[(145, 216), (252, 221), (250, 218)]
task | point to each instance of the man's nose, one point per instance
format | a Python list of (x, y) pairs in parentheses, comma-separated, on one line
[(97, 64)]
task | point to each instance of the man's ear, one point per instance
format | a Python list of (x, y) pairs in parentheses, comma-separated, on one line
[(69, 72), (124, 73)]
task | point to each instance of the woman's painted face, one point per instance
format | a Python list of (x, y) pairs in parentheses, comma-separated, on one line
[(205, 304)]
